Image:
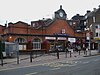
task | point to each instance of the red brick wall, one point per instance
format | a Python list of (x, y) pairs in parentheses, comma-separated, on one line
[(55, 27), (58, 25), (19, 27), (1, 29)]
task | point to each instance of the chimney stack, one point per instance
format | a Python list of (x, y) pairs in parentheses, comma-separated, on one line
[(88, 11), (94, 9)]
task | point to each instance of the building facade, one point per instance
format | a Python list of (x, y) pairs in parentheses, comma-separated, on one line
[(43, 34), (92, 21)]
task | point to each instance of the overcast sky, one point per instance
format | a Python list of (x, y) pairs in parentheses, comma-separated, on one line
[(32, 10)]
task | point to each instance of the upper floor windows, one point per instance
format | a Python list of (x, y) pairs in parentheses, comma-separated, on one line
[(94, 19), (96, 35), (97, 26)]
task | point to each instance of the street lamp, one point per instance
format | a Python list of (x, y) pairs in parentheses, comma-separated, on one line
[(9, 38)]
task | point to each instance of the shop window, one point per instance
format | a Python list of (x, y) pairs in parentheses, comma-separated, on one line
[(36, 43)]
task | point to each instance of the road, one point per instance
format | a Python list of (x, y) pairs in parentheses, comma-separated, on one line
[(85, 66)]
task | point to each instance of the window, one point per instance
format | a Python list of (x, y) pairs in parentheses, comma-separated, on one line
[(85, 16), (20, 40), (85, 23), (74, 22), (94, 19), (96, 34), (70, 23), (33, 24), (63, 31), (96, 26), (36, 43)]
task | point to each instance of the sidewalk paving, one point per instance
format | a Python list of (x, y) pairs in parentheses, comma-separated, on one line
[(46, 58)]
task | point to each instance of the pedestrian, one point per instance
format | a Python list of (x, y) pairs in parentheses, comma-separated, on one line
[(57, 53), (79, 48)]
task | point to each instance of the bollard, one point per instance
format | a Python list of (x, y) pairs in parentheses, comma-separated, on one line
[(89, 52), (86, 53), (17, 57), (70, 53), (1, 59), (57, 53), (31, 57), (65, 54), (79, 52)]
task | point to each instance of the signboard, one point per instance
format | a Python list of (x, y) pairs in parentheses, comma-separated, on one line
[(61, 38), (50, 38), (54, 38), (72, 39), (97, 38), (88, 38)]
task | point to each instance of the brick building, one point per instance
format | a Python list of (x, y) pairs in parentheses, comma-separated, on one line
[(41, 32)]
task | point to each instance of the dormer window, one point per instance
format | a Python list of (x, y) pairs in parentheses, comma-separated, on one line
[(85, 16), (33, 25), (74, 22), (63, 31)]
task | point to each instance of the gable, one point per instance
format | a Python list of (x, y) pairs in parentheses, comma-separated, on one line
[(58, 26), (20, 24)]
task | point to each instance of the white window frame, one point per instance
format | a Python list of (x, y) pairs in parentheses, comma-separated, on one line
[(20, 40), (37, 44), (94, 19)]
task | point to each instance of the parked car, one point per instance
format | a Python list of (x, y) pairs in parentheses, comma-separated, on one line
[(60, 48)]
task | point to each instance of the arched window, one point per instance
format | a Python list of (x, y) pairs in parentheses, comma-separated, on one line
[(36, 43), (20, 40)]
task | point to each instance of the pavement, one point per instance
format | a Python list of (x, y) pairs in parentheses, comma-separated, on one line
[(24, 60)]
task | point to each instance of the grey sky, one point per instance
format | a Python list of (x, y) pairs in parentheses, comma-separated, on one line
[(31, 10)]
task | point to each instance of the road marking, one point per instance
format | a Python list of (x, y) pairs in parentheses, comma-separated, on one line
[(21, 67), (86, 62), (32, 73), (55, 69), (52, 64), (96, 60), (76, 62), (60, 64)]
